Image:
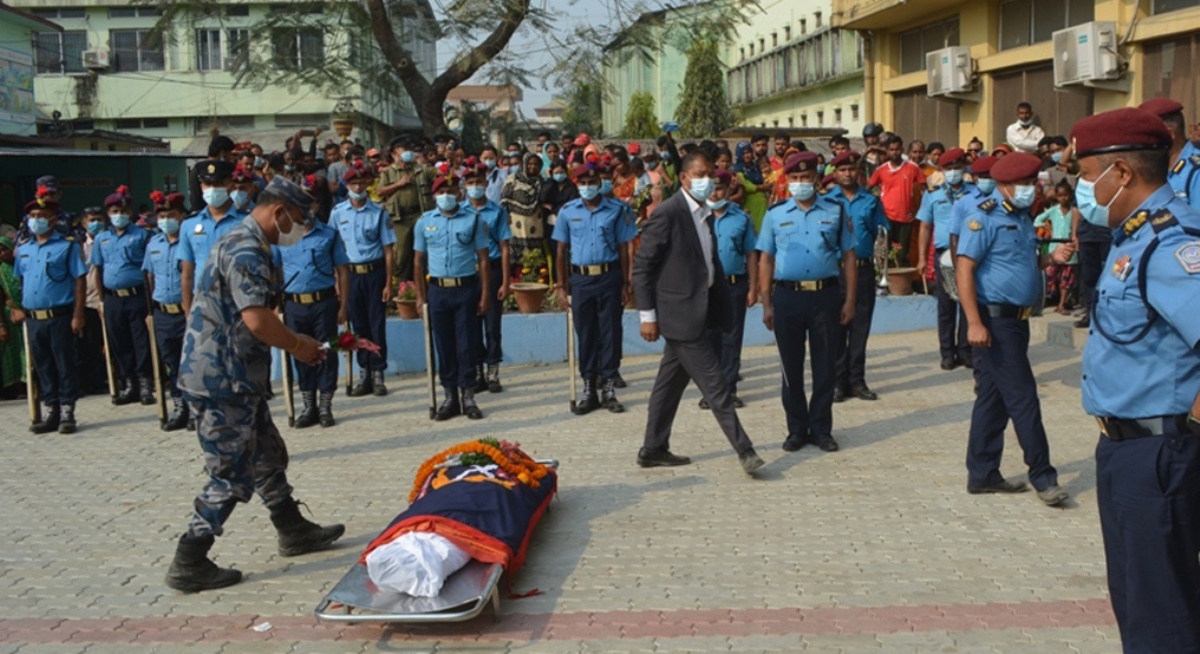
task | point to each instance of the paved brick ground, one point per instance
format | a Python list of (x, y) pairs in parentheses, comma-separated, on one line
[(874, 548)]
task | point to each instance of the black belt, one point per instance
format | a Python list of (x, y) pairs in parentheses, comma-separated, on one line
[(816, 285), (172, 309), (311, 298), (453, 282), (1007, 311), (54, 312), (737, 279), (592, 271), (1120, 429), (364, 268), (132, 291)]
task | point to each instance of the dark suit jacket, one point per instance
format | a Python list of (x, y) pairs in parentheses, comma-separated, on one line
[(670, 277)]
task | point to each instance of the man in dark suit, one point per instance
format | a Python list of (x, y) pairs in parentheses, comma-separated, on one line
[(682, 291)]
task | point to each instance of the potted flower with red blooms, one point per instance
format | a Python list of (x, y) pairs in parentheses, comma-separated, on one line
[(350, 342), (406, 300)]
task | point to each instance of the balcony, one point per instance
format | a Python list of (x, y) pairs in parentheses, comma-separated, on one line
[(812, 60), (884, 14)]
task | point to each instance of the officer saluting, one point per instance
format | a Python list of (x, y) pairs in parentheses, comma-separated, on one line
[(162, 270), (936, 213), (595, 231), (116, 259), (52, 273), (453, 242), (1141, 379), (803, 240), (225, 375), (367, 235), (735, 246), (998, 280), (199, 233), (499, 233)]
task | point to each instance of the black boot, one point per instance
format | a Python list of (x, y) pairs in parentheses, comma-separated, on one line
[(66, 424), (481, 384), (146, 385), (609, 398), (296, 534), (192, 572), (363, 387), (49, 422), (179, 415), (468, 405), (588, 401), (377, 381), (493, 378), (128, 393), (325, 409), (308, 416), (450, 406)]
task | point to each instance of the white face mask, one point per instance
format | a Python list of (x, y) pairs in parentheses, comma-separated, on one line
[(215, 196), (287, 240)]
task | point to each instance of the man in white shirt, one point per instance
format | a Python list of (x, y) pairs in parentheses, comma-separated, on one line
[(1023, 135)]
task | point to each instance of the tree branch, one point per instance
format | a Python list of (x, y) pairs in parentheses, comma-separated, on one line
[(461, 69), (400, 59)]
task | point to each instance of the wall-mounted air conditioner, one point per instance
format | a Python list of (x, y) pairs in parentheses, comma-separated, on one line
[(1087, 53), (949, 71)]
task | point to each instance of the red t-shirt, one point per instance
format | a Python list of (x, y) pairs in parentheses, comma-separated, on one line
[(899, 190)]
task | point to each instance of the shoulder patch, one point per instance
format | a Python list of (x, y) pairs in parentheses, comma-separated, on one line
[(1189, 257), (987, 205), (974, 225), (1160, 220)]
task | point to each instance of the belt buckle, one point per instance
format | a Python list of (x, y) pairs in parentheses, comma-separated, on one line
[(808, 286), (1103, 426), (1024, 313), (306, 298), (593, 270)]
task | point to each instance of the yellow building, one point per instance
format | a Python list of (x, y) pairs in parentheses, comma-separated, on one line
[(1012, 52)]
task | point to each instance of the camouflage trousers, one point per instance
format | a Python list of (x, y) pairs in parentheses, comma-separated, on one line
[(243, 454)]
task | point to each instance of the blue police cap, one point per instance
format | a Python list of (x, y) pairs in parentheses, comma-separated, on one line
[(291, 193)]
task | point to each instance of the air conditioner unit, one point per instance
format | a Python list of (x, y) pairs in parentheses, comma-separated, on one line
[(95, 59), (1086, 53), (949, 70)]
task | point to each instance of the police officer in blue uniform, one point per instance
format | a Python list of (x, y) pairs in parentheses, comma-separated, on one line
[(1141, 379), (496, 218), (316, 286), (1184, 173), (866, 216), (607, 171), (225, 375), (161, 266), (244, 189), (200, 232), (735, 239), (366, 231), (451, 246), (936, 212), (54, 288), (984, 187), (803, 241), (116, 260), (592, 234), (998, 274)]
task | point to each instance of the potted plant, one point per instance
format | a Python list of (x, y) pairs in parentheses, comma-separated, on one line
[(343, 119), (406, 300), (899, 273), (531, 290)]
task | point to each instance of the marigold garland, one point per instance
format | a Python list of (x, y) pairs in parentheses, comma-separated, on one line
[(508, 456)]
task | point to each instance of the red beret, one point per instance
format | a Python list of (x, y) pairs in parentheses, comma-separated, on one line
[(800, 162), (356, 171), (119, 198), (584, 169), (828, 179), (634, 148), (1119, 130), (478, 171), (42, 201), (1161, 107), (582, 140), (165, 202), (242, 174), (444, 180), (849, 157), (722, 176), (983, 165), (1003, 147), (951, 157), (1016, 167)]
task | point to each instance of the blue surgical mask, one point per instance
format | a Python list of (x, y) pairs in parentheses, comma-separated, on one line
[(476, 192), (357, 195), (1085, 200), (490, 163), (985, 185), (39, 226), (589, 192), (701, 188), (446, 202), (95, 227), (258, 162), (240, 198), (664, 155), (408, 156), (1023, 196), (716, 205), (169, 225), (215, 196), (954, 177), (1056, 157), (120, 220), (803, 191), (560, 177), (605, 187), (652, 165)]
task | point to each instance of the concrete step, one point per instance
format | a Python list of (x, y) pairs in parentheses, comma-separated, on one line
[(1057, 330)]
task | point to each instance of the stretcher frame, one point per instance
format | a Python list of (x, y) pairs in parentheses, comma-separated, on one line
[(466, 594)]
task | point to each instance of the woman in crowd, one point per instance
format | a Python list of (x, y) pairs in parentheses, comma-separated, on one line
[(557, 191), (521, 195), (753, 181)]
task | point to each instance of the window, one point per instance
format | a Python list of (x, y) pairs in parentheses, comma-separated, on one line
[(817, 19), (1163, 6), (791, 121), (65, 12), (762, 45), (820, 119), (804, 120), (787, 33), (57, 53), (136, 50), (133, 12), (775, 123), (743, 51), (296, 8), (203, 124), (751, 49), (837, 116), (298, 48), (238, 43), (854, 112), (1024, 22), (208, 49), (141, 123), (803, 26), (914, 44), (774, 39)]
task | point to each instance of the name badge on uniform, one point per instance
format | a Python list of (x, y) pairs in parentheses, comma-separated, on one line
[(431, 228), (826, 222), (787, 224), (1122, 267), (199, 230)]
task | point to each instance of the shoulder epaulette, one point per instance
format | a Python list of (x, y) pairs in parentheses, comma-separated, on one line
[(781, 202), (1008, 206), (988, 204), (1178, 167), (1159, 220)]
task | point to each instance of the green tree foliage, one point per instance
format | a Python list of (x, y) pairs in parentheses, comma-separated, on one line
[(704, 109), (474, 123), (640, 120), (582, 113)]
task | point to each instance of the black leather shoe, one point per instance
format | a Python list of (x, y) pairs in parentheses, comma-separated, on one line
[(751, 461), (863, 393), (1002, 486), (949, 363), (363, 387), (655, 458), (449, 407), (839, 394), (704, 404), (469, 407), (794, 442), (738, 403), (965, 361), (589, 399), (827, 444), (619, 381), (608, 397)]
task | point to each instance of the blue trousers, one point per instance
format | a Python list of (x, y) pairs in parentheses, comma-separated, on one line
[(318, 320), (53, 347), (1148, 490), (807, 317), (596, 306), (368, 316), (952, 324), (851, 340), (168, 331), (1007, 390), (728, 345), (490, 350), (125, 318), (455, 333)]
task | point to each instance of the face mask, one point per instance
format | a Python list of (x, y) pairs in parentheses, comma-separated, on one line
[(802, 191), (39, 226), (240, 198), (169, 225), (446, 202), (476, 192), (665, 156), (95, 227), (490, 163), (560, 177), (408, 156), (215, 196), (1085, 199), (589, 192), (291, 238), (652, 165), (716, 205), (357, 195), (1025, 122), (701, 188), (258, 162), (289, 168), (1023, 195), (120, 220), (1056, 157), (954, 177), (986, 185), (606, 187)]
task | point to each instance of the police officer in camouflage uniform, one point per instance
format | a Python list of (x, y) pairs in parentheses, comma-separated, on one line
[(225, 376), (404, 187)]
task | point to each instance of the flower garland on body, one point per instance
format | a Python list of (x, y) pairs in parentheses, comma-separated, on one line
[(485, 451)]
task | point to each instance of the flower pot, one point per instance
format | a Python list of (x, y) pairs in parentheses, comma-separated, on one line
[(900, 281), (530, 296), (343, 126), (407, 309)]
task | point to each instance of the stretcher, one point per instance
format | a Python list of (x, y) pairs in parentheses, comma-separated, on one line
[(466, 594)]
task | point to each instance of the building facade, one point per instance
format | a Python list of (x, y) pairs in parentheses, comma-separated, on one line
[(789, 67), (106, 70), (18, 31), (1012, 51)]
